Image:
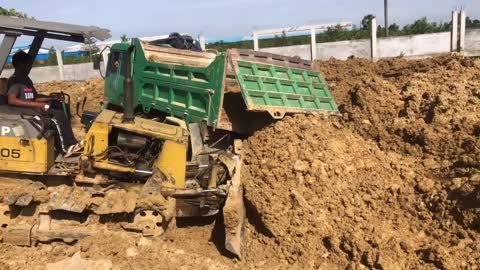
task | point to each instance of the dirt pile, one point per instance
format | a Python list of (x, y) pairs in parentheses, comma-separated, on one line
[(394, 183), (124, 251), (425, 108), (322, 197), (78, 90), (92, 90), (428, 109)]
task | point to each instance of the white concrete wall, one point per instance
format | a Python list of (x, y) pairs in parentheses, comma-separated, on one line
[(411, 46), (339, 50), (408, 46), (76, 72), (80, 72), (38, 74), (344, 49), (472, 42), (302, 51)]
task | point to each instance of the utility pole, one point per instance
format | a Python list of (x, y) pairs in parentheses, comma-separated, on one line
[(385, 6)]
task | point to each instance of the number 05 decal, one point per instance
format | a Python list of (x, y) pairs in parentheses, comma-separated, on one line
[(10, 153)]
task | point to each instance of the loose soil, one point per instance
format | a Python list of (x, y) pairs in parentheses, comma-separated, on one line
[(90, 91), (391, 183), (320, 196), (429, 109)]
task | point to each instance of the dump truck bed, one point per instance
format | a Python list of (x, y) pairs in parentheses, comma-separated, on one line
[(239, 90)]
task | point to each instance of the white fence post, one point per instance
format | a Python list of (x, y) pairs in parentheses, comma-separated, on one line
[(454, 34), (105, 58), (255, 41), (313, 44), (373, 39), (201, 39), (461, 47), (60, 64)]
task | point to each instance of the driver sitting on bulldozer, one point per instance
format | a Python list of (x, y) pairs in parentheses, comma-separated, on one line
[(22, 93)]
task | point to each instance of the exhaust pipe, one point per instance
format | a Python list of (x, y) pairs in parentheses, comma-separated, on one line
[(128, 116)]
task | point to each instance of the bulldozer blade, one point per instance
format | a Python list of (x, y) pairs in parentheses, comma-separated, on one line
[(234, 214)]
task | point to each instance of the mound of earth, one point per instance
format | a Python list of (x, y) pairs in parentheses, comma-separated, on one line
[(78, 90), (322, 197), (112, 251), (92, 90), (394, 183), (426, 108)]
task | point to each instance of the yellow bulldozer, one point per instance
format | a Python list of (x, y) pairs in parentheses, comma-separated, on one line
[(135, 172), (166, 145)]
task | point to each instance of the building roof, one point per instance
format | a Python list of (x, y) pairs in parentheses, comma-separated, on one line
[(25, 48)]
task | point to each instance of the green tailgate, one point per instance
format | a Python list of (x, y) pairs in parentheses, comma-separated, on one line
[(280, 85)]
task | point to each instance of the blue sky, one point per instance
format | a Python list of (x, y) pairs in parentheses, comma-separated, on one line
[(223, 18)]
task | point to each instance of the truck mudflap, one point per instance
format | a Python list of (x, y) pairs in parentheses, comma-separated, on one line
[(279, 84), (234, 213)]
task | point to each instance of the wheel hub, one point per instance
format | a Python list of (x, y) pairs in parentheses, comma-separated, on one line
[(149, 221)]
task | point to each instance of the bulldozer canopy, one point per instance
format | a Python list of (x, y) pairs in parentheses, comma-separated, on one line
[(13, 27)]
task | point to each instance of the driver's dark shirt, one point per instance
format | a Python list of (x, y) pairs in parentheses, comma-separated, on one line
[(22, 88)]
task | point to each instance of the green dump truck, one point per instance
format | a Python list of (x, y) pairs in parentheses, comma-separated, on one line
[(237, 91), (221, 97)]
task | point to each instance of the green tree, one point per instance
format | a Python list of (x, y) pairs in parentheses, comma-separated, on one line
[(12, 12), (91, 47), (381, 31), (393, 27), (336, 32), (124, 38), (366, 22), (469, 23), (52, 57), (420, 26), (447, 26), (283, 41)]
